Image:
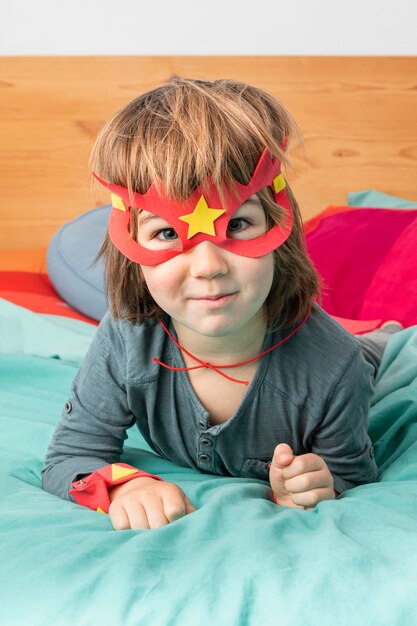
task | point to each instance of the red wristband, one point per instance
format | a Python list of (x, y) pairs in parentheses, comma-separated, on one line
[(91, 491)]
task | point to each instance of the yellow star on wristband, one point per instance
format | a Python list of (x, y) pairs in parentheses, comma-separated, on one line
[(202, 219), (118, 472)]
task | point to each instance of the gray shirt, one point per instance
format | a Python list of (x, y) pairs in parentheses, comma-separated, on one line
[(313, 392)]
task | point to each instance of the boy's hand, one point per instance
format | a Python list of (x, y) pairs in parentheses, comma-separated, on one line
[(147, 503), (299, 481)]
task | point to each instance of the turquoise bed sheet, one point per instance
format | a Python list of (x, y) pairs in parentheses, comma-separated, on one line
[(239, 560), (374, 198)]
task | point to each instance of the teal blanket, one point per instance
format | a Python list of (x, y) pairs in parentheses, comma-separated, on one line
[(239, 560)]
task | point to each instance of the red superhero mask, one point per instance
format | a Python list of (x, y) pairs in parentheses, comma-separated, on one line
[(201, 217)]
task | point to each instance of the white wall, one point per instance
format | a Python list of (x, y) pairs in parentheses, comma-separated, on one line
[(209, 27)]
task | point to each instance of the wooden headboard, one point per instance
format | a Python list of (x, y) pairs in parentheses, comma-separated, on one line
[(357, 116)]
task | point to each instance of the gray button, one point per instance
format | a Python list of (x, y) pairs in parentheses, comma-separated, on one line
[(371, 452), (202, 423), (68, 407), (206, 442), (204, 457)]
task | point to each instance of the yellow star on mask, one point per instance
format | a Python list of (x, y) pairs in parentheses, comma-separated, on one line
[(202, 219)]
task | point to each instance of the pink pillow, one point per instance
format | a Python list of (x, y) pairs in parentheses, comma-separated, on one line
[(368, 259)]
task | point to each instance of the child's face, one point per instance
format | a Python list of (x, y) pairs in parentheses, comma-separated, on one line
[(209, 289)]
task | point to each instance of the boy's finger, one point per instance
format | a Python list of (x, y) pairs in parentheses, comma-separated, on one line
[(156, 515), (307, 481), (188, 506), (173, 503), (310, 499), (149, 516), (118, 517), (283, 455), (176, 505), (131, 515), (303, 464)]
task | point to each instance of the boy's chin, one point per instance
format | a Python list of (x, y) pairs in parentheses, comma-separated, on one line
[(214, 327)]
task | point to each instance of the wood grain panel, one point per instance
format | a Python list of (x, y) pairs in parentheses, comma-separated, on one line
[(357, 116)]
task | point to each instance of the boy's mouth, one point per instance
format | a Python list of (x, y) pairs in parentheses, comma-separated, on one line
[(217, 300)]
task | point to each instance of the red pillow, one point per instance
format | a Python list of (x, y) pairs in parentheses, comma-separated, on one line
[(35, 292), (368, 259)]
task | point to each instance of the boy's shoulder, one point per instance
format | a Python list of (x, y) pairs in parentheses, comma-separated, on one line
[(129, 330), (313, 361), (132, 342), (325, 330), (321, 343), (328, 340)]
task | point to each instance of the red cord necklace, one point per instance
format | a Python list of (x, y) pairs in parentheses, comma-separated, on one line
[(217, 368)]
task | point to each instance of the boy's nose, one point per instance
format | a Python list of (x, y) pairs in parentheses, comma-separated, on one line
[(207, 260)]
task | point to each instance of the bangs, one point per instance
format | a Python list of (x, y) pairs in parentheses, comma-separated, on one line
[(180, 133)]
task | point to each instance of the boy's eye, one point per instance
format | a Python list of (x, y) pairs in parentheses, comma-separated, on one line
[(236, 224), (166, 234)]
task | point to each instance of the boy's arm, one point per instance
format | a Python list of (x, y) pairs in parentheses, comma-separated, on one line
[(95, 418), (341, 437), (341, 455)]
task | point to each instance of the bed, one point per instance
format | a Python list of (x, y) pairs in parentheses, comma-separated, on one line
[(239, 560)]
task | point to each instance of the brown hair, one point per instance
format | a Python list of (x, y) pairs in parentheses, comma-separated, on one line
[(178, 133)]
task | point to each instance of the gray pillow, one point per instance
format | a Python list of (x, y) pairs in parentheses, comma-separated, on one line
[(71, 252)]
